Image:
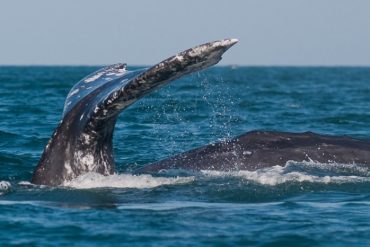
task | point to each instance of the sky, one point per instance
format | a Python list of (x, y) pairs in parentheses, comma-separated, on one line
[(144, 32)]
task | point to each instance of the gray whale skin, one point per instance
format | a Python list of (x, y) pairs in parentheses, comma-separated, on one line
[(82, 142)]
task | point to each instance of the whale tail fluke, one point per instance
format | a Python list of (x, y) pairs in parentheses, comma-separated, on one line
[(83, 140)]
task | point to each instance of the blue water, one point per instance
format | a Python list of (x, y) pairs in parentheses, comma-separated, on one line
[(300, 204)]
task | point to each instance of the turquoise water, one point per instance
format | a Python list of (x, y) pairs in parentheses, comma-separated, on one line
[(300, 204)]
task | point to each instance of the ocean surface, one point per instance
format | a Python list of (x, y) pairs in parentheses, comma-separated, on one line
[(299, 204)]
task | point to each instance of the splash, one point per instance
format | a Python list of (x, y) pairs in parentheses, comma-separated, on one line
[(4, 187), (311, 171), (307, 171), (95, 180)]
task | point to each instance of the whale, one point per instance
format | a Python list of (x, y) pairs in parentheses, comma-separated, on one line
[(261, 149), (82, 141)]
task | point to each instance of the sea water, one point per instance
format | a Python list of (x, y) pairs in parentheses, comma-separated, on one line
[(299, 204)]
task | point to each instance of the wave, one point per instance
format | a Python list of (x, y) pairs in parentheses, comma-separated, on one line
[(296, 172), (5, 186), (292, 172), (307, 171), (95, 180)]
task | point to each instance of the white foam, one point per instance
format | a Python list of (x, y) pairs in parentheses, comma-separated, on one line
[(5, 202), (4, 186), (95, 180), (25, 184), (300, 172), (172, 205)]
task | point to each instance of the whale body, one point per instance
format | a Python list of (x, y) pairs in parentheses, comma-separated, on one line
[(82, 142), (260, 149)]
